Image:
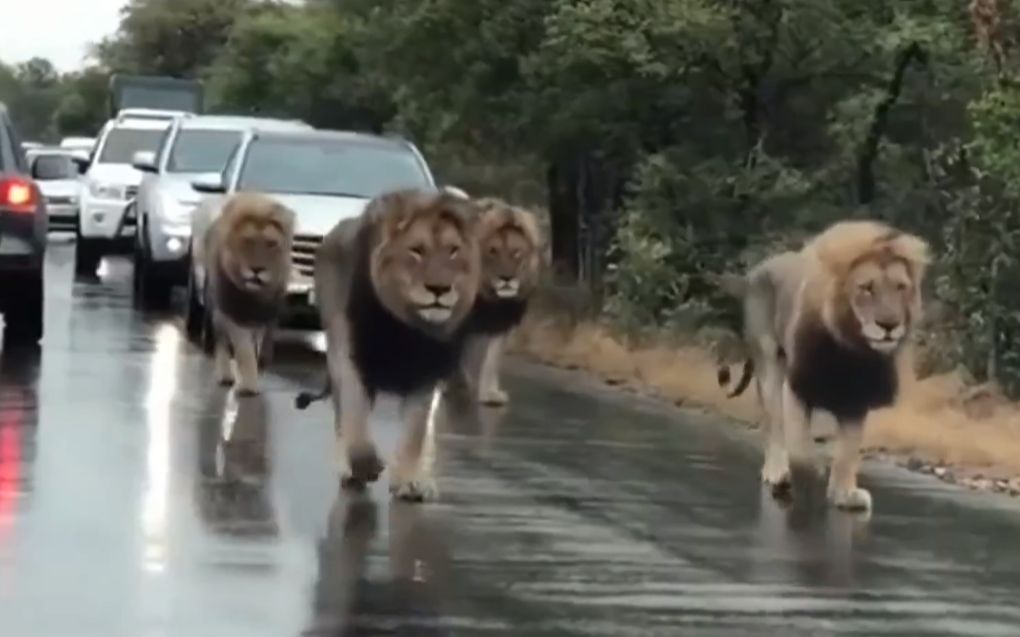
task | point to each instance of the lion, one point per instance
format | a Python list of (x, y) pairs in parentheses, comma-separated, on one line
[(394, 286), (825, 328), (246, 251), (511, 252)]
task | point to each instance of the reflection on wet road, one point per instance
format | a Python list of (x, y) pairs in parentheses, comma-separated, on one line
[(139, 499)]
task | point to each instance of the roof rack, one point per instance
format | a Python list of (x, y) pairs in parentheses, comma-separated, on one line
[(150, 114)]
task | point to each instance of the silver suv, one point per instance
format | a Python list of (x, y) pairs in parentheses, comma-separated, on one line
[(324, 177), (23, 225), (193, 145)]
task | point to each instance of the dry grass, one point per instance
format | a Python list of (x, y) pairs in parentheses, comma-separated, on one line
[(938, 419)]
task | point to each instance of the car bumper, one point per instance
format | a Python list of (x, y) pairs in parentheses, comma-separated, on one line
[(22, 240), (63, 216), (300, 311), (102, 219)]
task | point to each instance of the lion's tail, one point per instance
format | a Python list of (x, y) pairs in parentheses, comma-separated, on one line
[(746, 375), (306, 398)]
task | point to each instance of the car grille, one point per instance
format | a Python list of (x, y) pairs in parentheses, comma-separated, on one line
[(60, 200), (303, 254), (131, 192)]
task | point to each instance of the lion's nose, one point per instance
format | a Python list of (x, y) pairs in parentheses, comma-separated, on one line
[(888, 326), (437, 289)]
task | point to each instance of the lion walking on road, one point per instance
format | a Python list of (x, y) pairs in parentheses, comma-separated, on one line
[(511, 252), (824, 328), (394, 287), (246, 253)]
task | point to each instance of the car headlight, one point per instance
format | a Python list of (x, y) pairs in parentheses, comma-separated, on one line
[(100, 190)]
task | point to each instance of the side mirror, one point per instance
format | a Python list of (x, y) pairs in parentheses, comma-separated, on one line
[(456, 192), (35, 171), (82, 160), (145, 161), (211, 183)]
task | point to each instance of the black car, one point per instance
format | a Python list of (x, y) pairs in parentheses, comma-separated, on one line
[(23, 225)]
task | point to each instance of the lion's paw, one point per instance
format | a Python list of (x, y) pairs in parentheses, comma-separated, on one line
[(777, 481), (851, 499), (365, 467), (494, 397), (420, 488), (247, 391)]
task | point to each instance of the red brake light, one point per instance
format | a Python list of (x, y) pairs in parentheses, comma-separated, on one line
[(18, 195)]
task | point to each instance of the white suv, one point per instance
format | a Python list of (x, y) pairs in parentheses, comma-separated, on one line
[(193, 145), (111, 183)]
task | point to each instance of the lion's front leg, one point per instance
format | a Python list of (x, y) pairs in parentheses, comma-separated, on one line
[(265, 343), (797, 430), (413, 477), (843, 490), (243, 343), (357, 458), (775, 472), (489, 392), (224, 372)]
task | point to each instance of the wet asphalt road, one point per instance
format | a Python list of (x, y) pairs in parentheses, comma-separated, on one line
[(139, 499)]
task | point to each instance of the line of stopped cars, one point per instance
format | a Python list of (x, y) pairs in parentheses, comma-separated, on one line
[(152, 179), (154, 194)]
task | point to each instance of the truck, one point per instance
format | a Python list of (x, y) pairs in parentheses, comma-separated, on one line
[(155, 92)]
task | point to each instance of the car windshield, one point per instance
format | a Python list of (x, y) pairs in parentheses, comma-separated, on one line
[(122, 143), (349, 168), (47, 167), (202, 151)]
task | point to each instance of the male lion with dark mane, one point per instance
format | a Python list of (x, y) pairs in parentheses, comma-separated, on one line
[(511, 249), (824, 328), (247, 252), (394, 287)]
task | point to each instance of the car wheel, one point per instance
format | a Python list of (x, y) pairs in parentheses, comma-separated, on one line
[(152, 287), (23, 321), (194, 314), (86, 254)]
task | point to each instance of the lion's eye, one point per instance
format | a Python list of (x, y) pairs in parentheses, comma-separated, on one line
[(868, 288), (454, 251), (492, 250), (418, 251), (272, 243), (901, 286), (516, 254)]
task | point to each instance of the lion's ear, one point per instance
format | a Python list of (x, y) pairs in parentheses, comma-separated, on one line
[(463, 212), (288, 216), (914, 249)]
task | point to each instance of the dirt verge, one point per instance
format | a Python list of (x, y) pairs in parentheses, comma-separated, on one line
[(958, 433)]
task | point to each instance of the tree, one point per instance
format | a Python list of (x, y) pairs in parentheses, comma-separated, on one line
[(298, 62), (84, 104), (178, 38)]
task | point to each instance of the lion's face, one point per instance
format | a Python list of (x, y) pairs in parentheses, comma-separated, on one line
[(257, 254), (884, 298), (510, 253), (425, 266)]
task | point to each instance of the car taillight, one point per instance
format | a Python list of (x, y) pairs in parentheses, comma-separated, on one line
[(18, 195)]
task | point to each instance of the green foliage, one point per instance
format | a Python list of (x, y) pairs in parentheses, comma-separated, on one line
[(179, 38), (297, 62)]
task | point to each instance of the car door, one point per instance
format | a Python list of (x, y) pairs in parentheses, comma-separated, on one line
[(148, 189)]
